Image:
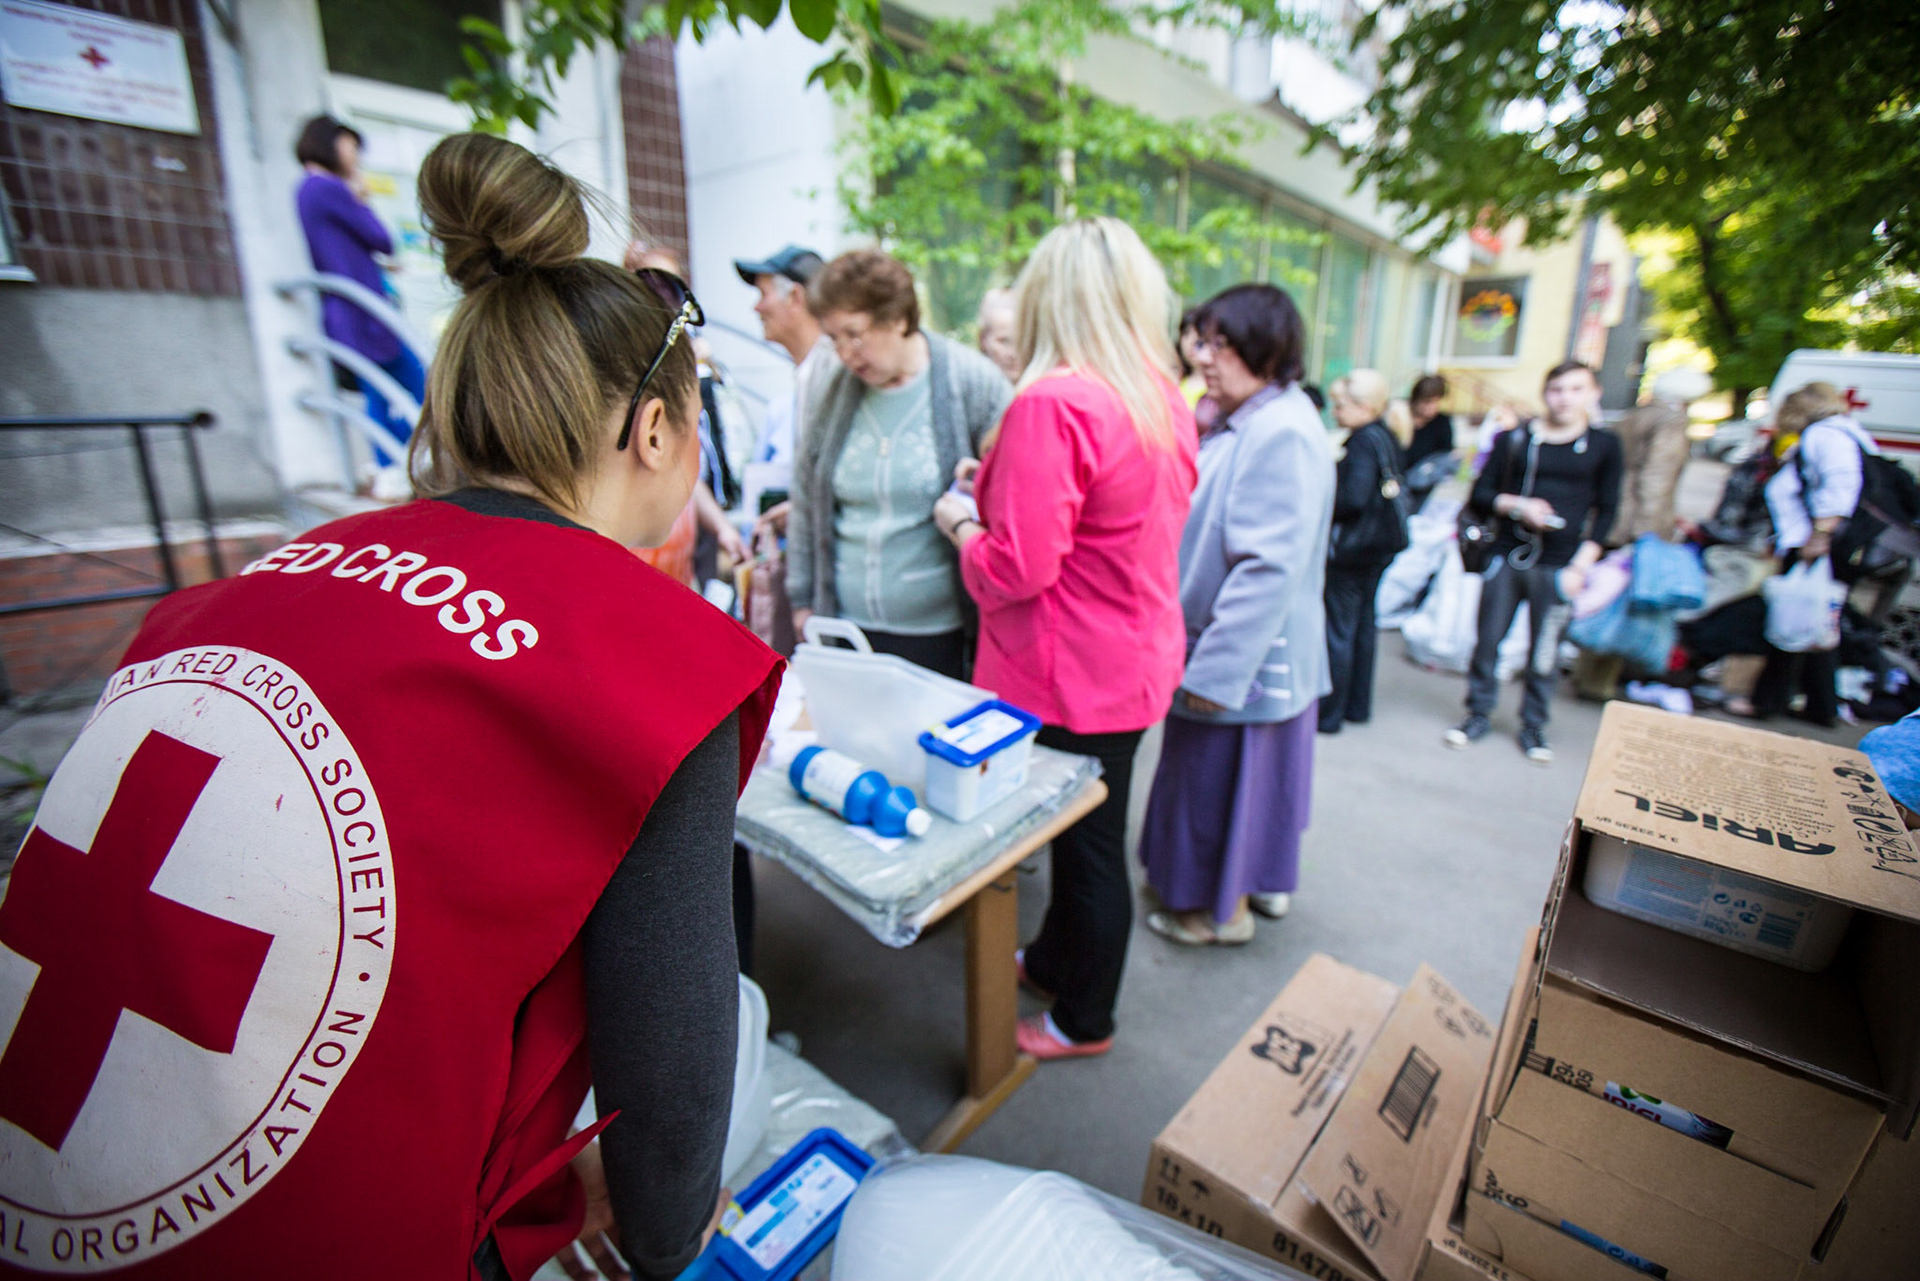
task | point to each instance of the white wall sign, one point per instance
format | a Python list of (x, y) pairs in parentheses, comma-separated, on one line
[(79, 63)]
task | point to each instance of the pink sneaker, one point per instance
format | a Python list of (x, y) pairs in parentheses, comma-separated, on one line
[(1036, 1037)]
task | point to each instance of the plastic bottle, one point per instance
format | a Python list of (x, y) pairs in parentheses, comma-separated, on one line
[(839, 783)]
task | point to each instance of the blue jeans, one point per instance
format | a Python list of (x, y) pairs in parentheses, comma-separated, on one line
[(406, 370)]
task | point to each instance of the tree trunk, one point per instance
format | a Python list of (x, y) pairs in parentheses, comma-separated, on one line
[(1740, 397)]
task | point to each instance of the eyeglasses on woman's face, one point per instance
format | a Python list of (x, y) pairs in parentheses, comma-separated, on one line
[(672, 291)]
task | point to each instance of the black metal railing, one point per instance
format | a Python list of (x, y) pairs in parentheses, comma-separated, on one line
[(136, 429)]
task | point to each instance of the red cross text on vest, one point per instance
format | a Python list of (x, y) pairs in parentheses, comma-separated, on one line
[(105, 942)]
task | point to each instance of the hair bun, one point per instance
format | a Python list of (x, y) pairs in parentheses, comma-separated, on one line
[(499, 210)]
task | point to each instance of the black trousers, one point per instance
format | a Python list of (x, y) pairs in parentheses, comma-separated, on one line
[(1082, 946), (943, 652), (1503, 589), (1352, 636), (1786, 673)]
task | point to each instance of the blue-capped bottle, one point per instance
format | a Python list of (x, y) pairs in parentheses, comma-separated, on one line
[(842, 785)]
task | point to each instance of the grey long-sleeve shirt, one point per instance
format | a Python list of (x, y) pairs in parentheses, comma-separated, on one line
[(662, 994)]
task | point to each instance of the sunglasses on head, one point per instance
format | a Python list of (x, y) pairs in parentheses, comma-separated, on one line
[(672, 291)]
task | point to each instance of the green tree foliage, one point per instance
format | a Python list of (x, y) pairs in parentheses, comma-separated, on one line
[(1780, 137), (995, 143), (511, 81)]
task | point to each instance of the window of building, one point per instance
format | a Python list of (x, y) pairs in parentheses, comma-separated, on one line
[(1416, 327), (1294, 247), (1487, 326), (1344, 343), (415, 43), (1224, 216), (11, 268)]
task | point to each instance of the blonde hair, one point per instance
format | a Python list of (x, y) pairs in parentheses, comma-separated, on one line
[(545, 344), (1367, 388), (1808, 406), (1093, 299)]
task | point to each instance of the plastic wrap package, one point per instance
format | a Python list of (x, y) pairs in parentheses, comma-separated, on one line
[(1440, 635), (803, 1099), (1406, 580), (894, 886), (953, 1218)]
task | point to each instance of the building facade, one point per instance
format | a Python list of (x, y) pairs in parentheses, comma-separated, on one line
[(149, 256)]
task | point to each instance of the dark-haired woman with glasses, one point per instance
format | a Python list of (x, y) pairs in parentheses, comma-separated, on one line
[(414, 829), (1231, 794)]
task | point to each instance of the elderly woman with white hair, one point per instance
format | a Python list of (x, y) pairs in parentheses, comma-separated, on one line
[(1366, 482)]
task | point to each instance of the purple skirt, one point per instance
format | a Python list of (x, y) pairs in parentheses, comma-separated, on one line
[(1228, 806)]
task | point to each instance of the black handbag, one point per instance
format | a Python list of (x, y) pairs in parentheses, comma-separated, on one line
[(1380, 532), (1478, 531)]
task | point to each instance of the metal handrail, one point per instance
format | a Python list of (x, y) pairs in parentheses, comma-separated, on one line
[(136, 428), (353, 291), (363, 422)]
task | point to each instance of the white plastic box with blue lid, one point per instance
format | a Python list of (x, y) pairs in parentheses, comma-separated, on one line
[(978, 758)]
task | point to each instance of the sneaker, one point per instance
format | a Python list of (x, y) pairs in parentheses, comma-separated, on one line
[(1471, 730), (1273, 906), (1534, 743), (1040, 1037)]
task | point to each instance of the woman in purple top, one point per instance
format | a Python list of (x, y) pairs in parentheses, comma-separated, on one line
[(343, 235)]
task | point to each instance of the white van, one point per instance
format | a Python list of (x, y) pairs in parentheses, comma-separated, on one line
[(1883, 388)]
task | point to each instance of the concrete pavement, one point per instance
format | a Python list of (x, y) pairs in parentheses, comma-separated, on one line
[(1417, 852)]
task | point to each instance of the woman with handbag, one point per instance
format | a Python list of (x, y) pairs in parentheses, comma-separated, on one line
[(1369, 530), (1230, 797)]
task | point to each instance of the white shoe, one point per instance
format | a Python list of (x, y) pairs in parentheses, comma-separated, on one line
[(1270, 905)]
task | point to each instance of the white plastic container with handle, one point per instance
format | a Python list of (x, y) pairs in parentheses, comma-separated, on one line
[(871, 706)]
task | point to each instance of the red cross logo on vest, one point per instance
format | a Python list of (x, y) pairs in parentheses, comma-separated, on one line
[(195, 943), (94, 58), (104, 942)]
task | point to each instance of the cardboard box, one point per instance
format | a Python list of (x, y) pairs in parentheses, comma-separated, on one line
[(1780, 1196), (1796, 1071), (1558, 1189), (1325, 1138), (1448, 1255), (1879, 1236), (1521, 1240), (1788, 810)]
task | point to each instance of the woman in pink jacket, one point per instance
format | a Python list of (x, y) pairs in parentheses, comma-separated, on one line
[(1074, 564)]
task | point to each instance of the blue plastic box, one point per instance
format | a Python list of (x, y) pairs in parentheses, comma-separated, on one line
[(787, 1215), (978, 758)]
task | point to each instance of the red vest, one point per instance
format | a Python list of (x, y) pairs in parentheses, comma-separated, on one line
[(290, 960)]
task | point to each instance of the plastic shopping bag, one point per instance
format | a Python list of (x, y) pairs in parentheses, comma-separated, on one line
[(1644, 639), (1803, 608), (1666, 575)]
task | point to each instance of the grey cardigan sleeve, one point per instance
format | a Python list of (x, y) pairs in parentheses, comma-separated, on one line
[(663, 1010), (1265, 539)]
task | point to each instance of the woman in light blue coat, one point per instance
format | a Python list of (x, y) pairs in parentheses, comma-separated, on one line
[(1230, 799)]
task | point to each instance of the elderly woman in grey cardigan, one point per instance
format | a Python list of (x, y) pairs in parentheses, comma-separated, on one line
[(881, 436), (1230, 798)]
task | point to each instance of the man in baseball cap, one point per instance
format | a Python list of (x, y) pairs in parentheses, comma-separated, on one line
[(796, 264)]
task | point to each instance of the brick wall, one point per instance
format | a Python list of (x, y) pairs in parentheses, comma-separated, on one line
[(53, 650), (656, 166), (107, 206)]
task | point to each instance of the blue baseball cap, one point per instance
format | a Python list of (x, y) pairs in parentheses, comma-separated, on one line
[(796, 264)]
